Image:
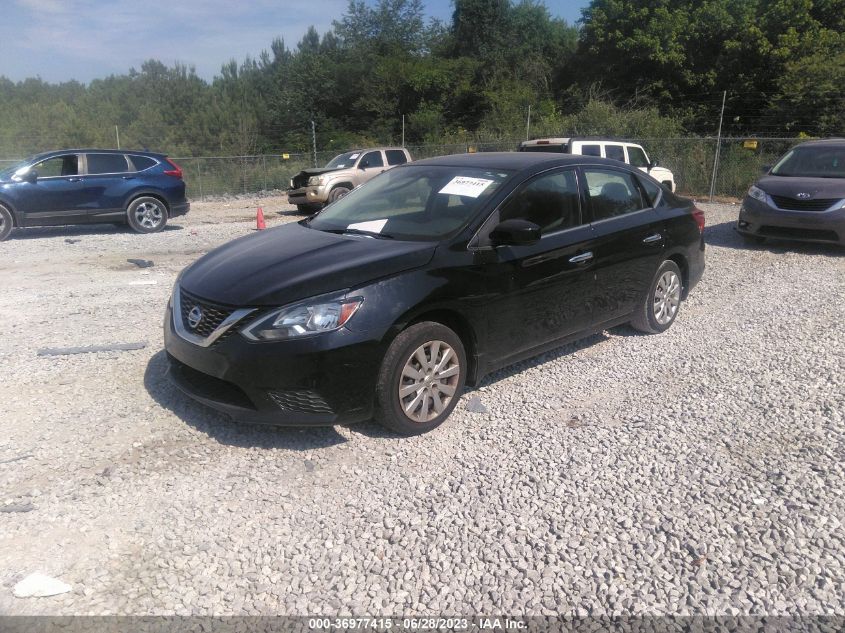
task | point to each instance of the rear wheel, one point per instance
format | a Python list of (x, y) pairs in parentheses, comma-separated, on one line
[(146, 214), (6, 222), (658, 310), (421, 379)]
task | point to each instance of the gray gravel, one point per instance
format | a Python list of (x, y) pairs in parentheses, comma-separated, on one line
[(699, 471)]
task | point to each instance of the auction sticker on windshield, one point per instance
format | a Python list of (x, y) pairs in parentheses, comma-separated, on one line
[(465, 186)]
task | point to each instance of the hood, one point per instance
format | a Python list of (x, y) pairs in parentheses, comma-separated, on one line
[(291, 262), (317, 171), (789, 186)]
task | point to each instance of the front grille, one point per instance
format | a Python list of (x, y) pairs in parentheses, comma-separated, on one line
[(799, 234), (300, 180), (791, 204), (303, 401), (212, 314)]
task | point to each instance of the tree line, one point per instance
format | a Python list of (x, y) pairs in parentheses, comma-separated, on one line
[(638, 68)]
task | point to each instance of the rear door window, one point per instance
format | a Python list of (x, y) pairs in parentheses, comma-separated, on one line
[(612, 193), (591, 150), (107, 164), (615, 152), (396, 157)]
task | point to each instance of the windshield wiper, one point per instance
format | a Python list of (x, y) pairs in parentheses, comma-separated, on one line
[(381, 236)]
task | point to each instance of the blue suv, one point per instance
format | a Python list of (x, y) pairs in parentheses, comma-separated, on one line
[(86, 186)]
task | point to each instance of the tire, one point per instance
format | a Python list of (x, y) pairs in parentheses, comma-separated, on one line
[(7, 222), (146, 214), (338, 192), (658, 310), (420, 341)]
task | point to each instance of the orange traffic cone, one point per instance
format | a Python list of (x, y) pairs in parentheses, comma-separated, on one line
[(259, 220)]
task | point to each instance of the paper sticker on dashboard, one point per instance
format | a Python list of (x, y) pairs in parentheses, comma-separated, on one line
[(373, 226), (465, 186)]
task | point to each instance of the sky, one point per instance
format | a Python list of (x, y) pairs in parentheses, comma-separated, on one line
[(60, 40)]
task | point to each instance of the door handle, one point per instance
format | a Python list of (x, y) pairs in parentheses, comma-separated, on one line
[(128, 177), (651, 239), (580, 259), (74, 179)]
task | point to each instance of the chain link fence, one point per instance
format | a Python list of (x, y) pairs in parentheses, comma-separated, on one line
[(690, 159)]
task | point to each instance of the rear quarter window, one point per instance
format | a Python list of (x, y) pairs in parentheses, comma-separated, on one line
[(141, 162), (591, 150)]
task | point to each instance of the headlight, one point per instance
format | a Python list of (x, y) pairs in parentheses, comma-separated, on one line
[(757, 193), (301, 320), (314, 181)]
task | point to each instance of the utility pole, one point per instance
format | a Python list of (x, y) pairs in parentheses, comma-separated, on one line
[(528, 124), (718, 147), (403, 130), (314, 141), (117, 134)]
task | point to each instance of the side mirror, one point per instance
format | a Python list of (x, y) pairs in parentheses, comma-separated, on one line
[(31, 176), (363, 164), (654, 163), (515, 233), (765, 169)]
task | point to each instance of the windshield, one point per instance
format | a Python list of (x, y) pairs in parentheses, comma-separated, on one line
[(413, 202), (812, 162), (344, 161)]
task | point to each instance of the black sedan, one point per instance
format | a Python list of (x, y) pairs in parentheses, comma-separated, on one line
[(435, 273)]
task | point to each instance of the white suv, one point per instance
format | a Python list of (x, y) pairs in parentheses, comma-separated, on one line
[(630, 153)]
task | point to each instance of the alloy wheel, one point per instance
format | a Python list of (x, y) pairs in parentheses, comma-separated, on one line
[(667, 297), (149, 215), (428, 381)]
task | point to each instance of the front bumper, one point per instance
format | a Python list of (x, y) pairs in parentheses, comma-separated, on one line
[(319, 380), (762, 220), (308, 195)]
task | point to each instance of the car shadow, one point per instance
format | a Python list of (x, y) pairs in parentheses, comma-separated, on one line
[(39, 232), (545, 357), (222, 428), (725, 236)]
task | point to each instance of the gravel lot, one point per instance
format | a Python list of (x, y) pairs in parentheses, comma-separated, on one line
[(699, 471)]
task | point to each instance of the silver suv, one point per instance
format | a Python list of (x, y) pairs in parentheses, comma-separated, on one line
[(310, 189)]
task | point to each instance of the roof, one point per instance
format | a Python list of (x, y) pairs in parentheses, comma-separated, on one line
[(515, 160), (97, 150), (824, 142)]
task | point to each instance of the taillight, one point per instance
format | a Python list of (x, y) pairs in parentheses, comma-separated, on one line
[(176, 172), (698, 214)]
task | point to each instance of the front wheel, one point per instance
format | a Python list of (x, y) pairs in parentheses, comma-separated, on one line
[(146, 214), (338, 192), (421, 379), (660, 307)]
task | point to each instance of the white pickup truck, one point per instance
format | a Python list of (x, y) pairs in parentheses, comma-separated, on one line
[(629, 153)]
